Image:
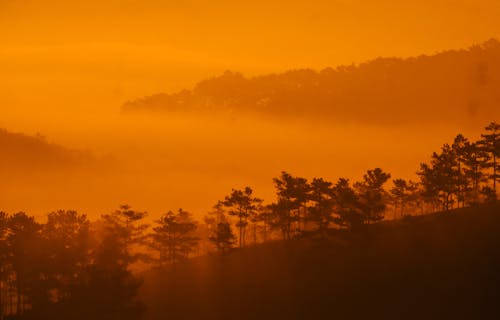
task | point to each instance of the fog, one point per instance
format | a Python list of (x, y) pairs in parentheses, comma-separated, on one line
[(157, 163), (68, 67)]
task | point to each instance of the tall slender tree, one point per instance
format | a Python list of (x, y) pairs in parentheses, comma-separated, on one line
[(460, 147), (399, 194), (293, 195), (4, 259), (474, 161), (322, 203), (68, 239), (24, 240), (241, 204), (490, 143), (439, 178), (347, 205)]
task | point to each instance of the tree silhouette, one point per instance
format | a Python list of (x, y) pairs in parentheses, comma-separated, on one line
[(460, 147), (223, 237), (490, 143), (399, 193), (110, 289), (174, 237), (215, 216), (25, 244), (4, 259), (293, 195), (125, 232), (281, 217), (347, 205), (475, 160), (405, 194), (322, 199), (242, 204), (439, 178), (67, 237), (372, 196)]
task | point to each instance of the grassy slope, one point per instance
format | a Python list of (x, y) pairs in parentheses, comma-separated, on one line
[(441, 266)]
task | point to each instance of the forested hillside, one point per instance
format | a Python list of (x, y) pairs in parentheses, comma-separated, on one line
[(456, 86), (21, 152), (440, 266), (353, 249)]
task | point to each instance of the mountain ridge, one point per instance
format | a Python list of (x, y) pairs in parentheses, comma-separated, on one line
[(449, 86)]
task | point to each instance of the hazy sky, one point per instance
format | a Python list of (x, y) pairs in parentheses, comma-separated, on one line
[(111, 51), (66, 67)]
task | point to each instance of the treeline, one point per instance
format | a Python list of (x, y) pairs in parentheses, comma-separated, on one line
[(454, 86), (71, 268)]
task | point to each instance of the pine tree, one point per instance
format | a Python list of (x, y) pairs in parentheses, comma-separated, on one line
[(322, 202), (241, 204), (372, 196), (174, 237), (490, 143), (347, 206), (223, 237), (293, 194)]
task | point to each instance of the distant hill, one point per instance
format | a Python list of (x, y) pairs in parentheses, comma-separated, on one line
[(452, 86), (26, 153), (439, 266)]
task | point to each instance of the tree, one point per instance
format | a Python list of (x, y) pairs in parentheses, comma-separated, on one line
[(242, 204), (460, 147), (67, 238), (25, 245), (210, 221), (266, 216), (347, 206), (399, 194), (490, 143), (281, 218), (322, 199), (475, 159), (405, 194), (124, 233), (110, 289), (4, 259), (256, 217), (372, 196), (174, 237), (439, 178), (223, 237), (293, 195)]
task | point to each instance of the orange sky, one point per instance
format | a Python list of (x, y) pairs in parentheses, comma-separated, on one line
[(67, 66), (123, 49)]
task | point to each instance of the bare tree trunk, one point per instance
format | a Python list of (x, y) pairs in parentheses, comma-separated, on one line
[(255, 233), (494, 173), (18, 311), (1, 299)]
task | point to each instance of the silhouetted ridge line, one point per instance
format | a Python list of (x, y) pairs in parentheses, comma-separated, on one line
[(30, 153), (449, 86)]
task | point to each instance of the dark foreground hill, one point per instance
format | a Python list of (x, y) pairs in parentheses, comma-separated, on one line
[(441, 266)]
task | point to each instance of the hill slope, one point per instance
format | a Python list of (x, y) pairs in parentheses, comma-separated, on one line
[(441, 266), (456, 86), (21, 152)]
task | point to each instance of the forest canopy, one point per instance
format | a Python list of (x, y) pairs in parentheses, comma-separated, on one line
[(451, 86)]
